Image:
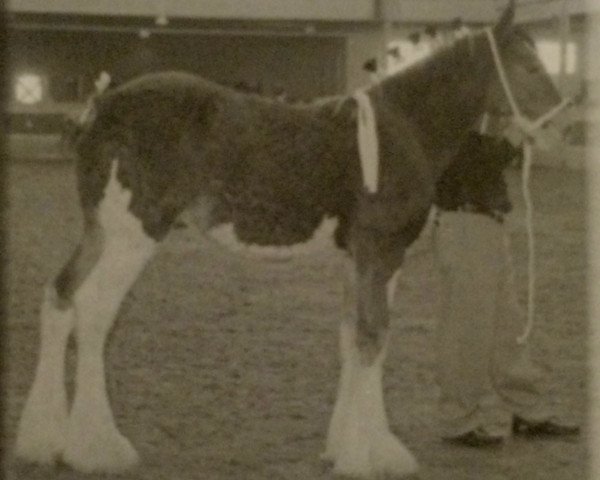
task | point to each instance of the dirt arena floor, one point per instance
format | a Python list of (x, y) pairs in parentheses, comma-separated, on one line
[(225, 367)]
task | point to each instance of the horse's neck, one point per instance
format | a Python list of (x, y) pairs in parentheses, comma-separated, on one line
[(442, 97)]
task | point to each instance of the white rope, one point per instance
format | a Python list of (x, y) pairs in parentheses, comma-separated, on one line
[(368, 145), (502, 73), (485, 122), (527, 127), (527, 162)]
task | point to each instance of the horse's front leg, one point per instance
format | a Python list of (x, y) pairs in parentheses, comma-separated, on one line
[(359, 441)]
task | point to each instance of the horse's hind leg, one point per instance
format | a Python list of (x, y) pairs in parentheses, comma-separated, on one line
[(93, 442), (85, 296), (40, 434)]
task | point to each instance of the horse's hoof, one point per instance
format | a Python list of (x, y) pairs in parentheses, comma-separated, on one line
[(40, 435), (380, 457), (106, 452), (42, 450)]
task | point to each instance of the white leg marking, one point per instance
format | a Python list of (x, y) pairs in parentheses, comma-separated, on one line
[(359, 441), (41, 430), (93, 442), (338, 420), (336, 431)]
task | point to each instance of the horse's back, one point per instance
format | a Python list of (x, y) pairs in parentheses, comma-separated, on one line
[(178, 137), (168, 81)]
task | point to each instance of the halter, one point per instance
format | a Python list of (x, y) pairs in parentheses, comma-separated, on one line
[(527, 126)]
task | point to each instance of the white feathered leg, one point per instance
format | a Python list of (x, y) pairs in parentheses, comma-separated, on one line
[(93, 441), (359, 440), (41, 430)]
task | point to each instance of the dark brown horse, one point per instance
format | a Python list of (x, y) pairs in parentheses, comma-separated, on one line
[(171, 143)]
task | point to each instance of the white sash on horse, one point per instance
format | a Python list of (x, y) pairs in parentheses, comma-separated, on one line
[(368, 145)]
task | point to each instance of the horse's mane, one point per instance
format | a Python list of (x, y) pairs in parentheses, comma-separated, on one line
[(432, 91), (430, 69), (443, 61)]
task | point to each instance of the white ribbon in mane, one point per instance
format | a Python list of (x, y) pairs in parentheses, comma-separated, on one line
[(368, 143)]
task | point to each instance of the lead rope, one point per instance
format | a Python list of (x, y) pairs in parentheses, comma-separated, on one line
[(528, 127), (525, 183), (526, 173), (527, 153)]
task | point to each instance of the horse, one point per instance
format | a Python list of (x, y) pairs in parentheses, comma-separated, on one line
[(172, 143)]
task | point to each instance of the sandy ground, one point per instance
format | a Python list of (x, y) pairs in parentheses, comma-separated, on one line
[(226, 367)]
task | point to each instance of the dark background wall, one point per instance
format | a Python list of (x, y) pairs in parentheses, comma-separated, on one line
[(69, 61)]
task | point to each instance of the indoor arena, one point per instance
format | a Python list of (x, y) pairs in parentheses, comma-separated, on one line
[(300, 240)]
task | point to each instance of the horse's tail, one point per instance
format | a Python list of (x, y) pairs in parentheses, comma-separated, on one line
[(98, 142), (74, 129), (71, 131)]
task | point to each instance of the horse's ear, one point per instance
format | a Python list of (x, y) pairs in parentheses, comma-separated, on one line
[(506, 20)]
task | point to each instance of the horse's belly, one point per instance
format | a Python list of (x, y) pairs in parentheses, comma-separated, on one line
[(261, 231), (322, 237)]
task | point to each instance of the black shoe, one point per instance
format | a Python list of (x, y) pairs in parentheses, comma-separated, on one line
[(478, 437), (544, 428)]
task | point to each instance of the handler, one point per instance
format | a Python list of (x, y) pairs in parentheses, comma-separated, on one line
[(489, 386)]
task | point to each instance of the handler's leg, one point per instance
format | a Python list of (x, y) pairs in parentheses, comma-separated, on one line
[(517, 379), (466, 250), (515, 376)]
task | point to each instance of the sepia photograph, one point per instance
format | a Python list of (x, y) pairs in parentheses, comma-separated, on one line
[(300, 240)]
